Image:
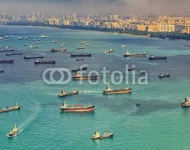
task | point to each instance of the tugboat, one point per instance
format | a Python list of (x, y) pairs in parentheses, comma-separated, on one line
[(97, 135), (77, 108), (164, 75), (32, 57), (64, 93), (152, 57), (77, 76), (44, 62), (14, 132), (186, 102), (16, 107), (127, 54), (108, 91), (80, 55), (6, 61)]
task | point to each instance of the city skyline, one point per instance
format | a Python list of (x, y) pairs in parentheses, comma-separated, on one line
[(123, 7)]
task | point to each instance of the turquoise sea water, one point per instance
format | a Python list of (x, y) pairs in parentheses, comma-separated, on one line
[(159, 122)]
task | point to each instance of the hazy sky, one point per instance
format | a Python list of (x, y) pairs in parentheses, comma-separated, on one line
[(96, 6)]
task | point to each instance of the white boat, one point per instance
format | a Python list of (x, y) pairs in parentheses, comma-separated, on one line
[(45, 36), (14, 132), (122, 46)]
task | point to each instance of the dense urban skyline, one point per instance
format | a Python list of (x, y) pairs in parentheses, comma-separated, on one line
[(160, 7)]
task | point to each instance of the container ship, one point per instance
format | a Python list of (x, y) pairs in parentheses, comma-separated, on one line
[(152, 57), (108, 91), (16, 107), (80, 55), (33, 57), (127, 54), (76, 108), (77, 76), (44, 62), (6, 61)]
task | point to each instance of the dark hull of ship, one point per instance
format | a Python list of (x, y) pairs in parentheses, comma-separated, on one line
[(33, 57), (134, 55), (7, 50), (158, 58), (6, 61), (54, 50), (164, 76), (80, 55), (86, 78), (9, 109), (68, 94), (117, 92), (12, 135), (13, 54), (1, 71), (84, 109), (45, 62)]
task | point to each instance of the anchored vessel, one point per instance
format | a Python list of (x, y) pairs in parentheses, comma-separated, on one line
[(77, 108), (97, 135), (152, 57), (1, 71), (6, 61), (61, 50), (77, 76), (9, 54), (186, 102), (116, 91), (80, 48), (164, 75), (64, 93), (127, 54), (32, 57), (16, 107), (14, 132), (6, 50), (75, 69), (44, 61), (80, 55)]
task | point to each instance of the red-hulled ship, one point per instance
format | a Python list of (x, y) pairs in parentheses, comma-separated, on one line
[(76, 108), (77, 76)]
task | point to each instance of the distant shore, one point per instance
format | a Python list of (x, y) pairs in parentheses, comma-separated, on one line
[(161, 35)]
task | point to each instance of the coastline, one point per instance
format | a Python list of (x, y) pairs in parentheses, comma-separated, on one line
[(129, 32)]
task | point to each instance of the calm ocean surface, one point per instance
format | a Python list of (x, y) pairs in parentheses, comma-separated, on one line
[(159, 122)]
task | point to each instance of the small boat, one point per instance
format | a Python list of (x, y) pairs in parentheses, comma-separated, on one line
[(64, 93), (111, 50), (9, 54), (164, 75), (44, 36), (186, 102), (88, 44), (127, 54), (32, 57), (78, 48), (76, 108), (108, 91), (75, 69), (80, 55), (33, 47), (97, 135), (1, 71), (138, 104), (6, 50), (143, 72), (19, 38), (131, 68), (77, 76), (152, 57), (83, 42), (44, 61), (25, 45), (106, 52), (122, 46), (16, 107), (14, 132), (62, 50), (54, 41), (6, 61), (78, 59), (38, 42)]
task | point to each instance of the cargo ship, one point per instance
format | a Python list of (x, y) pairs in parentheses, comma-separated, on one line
[(14, 132), (32, 57), (108, 91), (64, 93), (97, 135), (16, 107), (152, 57), (80, 55), (6, 61), (186, 102), (9, 54), (55, 50), (77, 76), (44, 62), (127, 54), (76, 108)]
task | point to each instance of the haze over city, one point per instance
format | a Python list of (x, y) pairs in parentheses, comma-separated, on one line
[(158, 7)]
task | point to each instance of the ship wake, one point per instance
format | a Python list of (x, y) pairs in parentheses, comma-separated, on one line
[(25, 124), (40, 53), (90, 91)]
